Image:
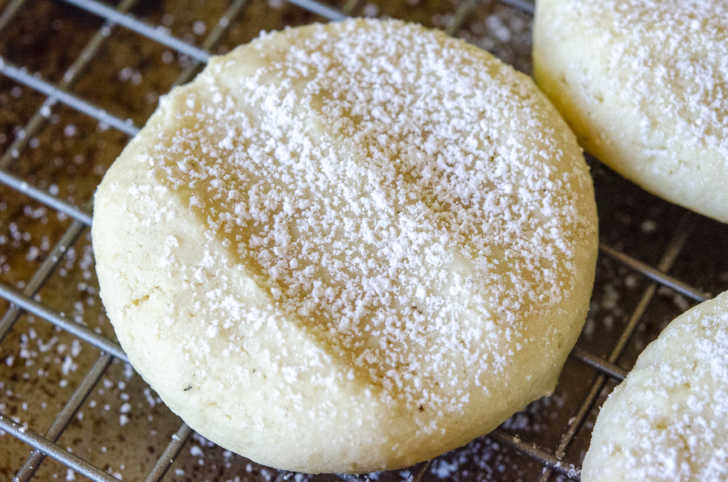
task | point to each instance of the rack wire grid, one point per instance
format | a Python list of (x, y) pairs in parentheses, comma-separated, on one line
[(80, 76)]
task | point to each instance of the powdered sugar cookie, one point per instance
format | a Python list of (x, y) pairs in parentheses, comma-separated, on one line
[(644, 84), (667, 420), (348, 247)]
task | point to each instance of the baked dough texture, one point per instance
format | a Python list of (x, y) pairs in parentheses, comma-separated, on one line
[(644, 85), (668, 420), (348, 247)]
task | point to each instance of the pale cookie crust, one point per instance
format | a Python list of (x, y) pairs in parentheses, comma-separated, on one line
[(348, 247), (644, 84), (667, 421)]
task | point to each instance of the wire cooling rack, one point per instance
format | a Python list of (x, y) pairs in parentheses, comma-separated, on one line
[(633, 298)]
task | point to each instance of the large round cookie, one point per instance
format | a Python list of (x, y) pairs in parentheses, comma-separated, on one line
[(644, 84), (348, 247), (668, 420)]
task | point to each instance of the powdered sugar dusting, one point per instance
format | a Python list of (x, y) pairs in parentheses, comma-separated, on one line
[(397, 194), (678, 46)]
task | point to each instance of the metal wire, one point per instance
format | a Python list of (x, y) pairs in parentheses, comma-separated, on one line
[(9, 12), (41, 443), (162, 464), (522, 5), (64, 416), (36, 122), (158, 34), (77, 329), (23, 300), (536, 453), (34, 82), (655, 274), (607, 368), (67, 239), (40, 276), (69, 77), (461, 13), (319, 9), (49, 200)]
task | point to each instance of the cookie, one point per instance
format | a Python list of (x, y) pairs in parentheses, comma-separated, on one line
[(667, 420), (348, 247), (644, 85)]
